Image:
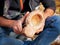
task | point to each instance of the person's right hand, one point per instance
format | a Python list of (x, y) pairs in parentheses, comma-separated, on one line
[(17, 25)]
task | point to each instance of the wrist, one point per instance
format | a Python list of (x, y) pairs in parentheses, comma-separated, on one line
[(12, 23)]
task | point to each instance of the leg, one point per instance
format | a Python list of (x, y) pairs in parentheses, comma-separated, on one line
[(10, 41), (5, 40), (51, 31)]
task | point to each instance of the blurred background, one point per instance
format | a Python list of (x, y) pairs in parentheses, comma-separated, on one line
[(57, 7)]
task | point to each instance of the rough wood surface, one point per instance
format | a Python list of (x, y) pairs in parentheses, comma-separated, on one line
[(33, 23)]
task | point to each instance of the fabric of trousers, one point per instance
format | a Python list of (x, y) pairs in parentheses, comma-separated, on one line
[(49, 34)]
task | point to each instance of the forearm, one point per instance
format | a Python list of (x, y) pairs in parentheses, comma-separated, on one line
[(48, 13), (9, 23), (6, 22)]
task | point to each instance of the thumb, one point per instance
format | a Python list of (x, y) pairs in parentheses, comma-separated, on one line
[(27, 13), (24, 17)]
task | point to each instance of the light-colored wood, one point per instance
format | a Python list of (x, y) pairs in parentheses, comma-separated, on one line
[(33, 23)]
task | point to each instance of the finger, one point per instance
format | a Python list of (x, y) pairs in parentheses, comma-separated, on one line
[(27, 13), (20, 28), (16, 30)]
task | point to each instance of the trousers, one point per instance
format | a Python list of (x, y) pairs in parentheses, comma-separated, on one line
[(49, 34)]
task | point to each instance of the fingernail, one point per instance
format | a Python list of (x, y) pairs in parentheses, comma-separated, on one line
[(27, 12)]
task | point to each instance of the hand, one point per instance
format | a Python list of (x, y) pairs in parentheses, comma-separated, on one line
[(17, 25)]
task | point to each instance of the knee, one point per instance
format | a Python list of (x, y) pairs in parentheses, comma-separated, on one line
[(53, 18), (54, 22), (5, 41), (11, 41)]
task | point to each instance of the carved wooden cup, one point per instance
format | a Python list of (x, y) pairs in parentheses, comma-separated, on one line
[(33, 23)]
